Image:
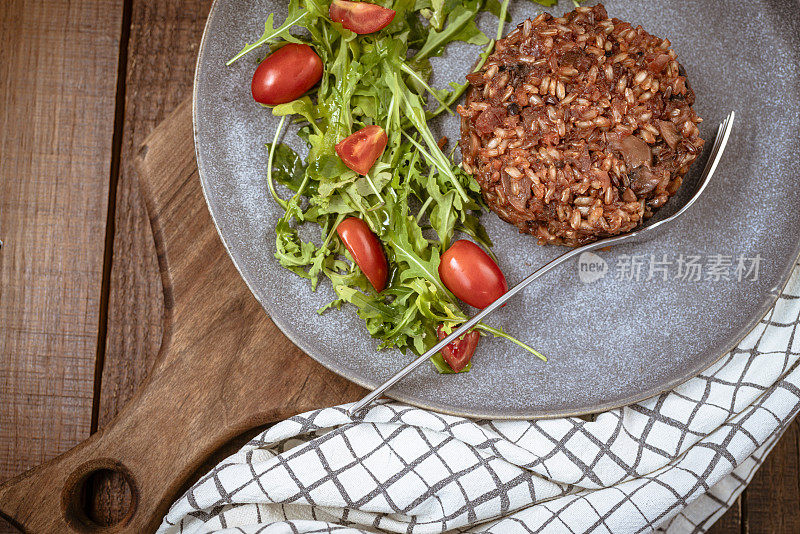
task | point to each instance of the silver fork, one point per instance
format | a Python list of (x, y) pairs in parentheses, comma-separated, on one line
[(645, 233)]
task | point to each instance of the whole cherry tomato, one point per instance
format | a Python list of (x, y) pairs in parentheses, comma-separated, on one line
[(286, 74), (458, 353), (365, 249), (471, 274), (360, 151), (360, 17)]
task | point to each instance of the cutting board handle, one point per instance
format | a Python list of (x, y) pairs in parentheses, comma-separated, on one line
[(223, 367), (154, 447)]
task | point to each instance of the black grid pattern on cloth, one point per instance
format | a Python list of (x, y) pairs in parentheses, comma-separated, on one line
[(674, 462)]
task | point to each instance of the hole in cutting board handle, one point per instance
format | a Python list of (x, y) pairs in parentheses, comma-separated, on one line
[(76, 496)]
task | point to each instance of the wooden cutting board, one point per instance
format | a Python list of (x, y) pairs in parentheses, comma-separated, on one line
[(223, 368)]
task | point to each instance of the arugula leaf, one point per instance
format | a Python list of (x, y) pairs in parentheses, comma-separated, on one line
[(287, 167), (303, 107), (495, 8), (414, 197), (460, 27), (297, 17), (443, 218), (412, 249)]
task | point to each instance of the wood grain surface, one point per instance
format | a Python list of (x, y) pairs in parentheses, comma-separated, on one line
[(81, 300), (58, 78), (159, 65), (223, 367)]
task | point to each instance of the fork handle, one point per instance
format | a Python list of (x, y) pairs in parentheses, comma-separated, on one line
[(552, 264)]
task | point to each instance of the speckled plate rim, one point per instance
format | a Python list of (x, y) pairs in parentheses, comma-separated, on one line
[(744, 331)]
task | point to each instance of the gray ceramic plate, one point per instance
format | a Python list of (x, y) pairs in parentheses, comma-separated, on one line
[(612, 341)]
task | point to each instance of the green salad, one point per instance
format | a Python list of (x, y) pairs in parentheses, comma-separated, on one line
[(414, 198)]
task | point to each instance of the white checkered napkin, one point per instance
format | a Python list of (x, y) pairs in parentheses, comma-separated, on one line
[(673, 463)]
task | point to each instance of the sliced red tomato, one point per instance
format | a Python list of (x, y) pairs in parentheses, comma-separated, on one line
[(471, 274), (360, 17), (458, 353), (286, 74), (360, 151), (365, 249)]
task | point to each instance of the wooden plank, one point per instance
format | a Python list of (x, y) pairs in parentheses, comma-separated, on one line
[(773, 496), (183, 412), (162, 50), (161, 55), (58, 66)]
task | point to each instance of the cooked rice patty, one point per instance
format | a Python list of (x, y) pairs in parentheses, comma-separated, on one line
[(578, 127)]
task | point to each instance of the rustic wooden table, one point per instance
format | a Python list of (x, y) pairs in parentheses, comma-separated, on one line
[(83, 82)]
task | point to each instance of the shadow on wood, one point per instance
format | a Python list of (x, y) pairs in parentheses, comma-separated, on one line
[(223, 367)]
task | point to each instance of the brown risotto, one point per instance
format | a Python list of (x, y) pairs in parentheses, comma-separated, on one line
[(578, 127)]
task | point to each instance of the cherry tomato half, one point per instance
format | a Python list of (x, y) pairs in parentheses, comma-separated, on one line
[(471, 274), (360, 17), (365, 249), (458, 353), (286, 74), (360, 151)]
